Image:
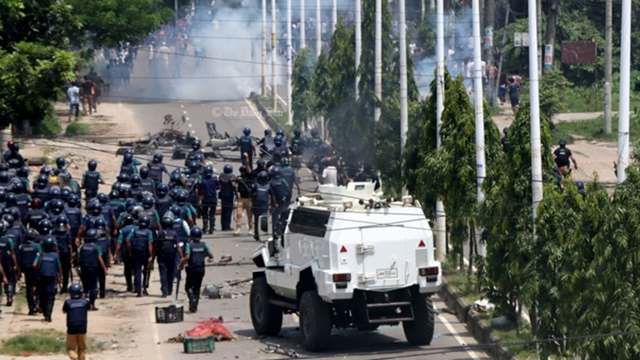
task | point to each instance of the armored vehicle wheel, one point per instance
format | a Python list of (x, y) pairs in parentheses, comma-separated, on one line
[(266, 318), (420, 330), (315, 321)]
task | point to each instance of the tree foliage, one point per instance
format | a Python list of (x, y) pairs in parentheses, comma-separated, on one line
[(302, 94)]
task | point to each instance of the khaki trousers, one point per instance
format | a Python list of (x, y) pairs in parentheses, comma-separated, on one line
[(244, 205), (76, 346)]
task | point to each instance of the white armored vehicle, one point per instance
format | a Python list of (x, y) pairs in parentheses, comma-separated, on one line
[(350, 261)]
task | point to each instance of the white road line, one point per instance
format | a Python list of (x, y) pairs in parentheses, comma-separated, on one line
[(257, 114), (472, 354)]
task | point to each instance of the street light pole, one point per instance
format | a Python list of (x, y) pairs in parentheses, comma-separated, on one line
[(303, 31), (289, 65), (358, 36), (404, 106), (536, 154), (263, 64), (378, 61), (625, 83), (441, 220), (274, 45), (318, 29)]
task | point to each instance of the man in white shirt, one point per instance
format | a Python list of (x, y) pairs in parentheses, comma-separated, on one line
[(73, 96)]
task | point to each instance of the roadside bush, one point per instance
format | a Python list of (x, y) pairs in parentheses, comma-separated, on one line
[(49, 126), (76, 129)]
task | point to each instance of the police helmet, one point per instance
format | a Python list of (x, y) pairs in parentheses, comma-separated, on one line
[(3, 227), (208, 171), (103, 198), (55, 192), (49, 244), (562, 143), (246, 131), (99, 223), (75, 291), (8, 219), (144, 172), (36, 203), (182, 196), (144, 222), (66, 192), (94, 207), (15, 212), (127, 219), (196, 145), (61, 162), (277, 141), (42, 181), (60, 221), (17, 187), (4, 177), (162, 190), (267, 132), (114, 194), (74, 200), (57, 206), (228, 169), (297, 132), (175, 177), (148, 202), (279, 132), (91, 235), (157, 158), (10, 200), (261, 164), (135, 180), (130, 204), (275, 172), (263, 177), (196, 233), (45, 226), (123, 178), (315, 132), (92, 165), (45, 170), (23, 172), (167, 221), (127, 157)]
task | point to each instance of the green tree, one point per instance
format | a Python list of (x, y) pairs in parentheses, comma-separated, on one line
[(32, 77), (303, 97), (109, 22), (506, 216)]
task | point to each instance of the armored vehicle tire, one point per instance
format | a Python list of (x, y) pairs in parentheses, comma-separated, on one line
[(315, 321), (420, 331), (266, 318)]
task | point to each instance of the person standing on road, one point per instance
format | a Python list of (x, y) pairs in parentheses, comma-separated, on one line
[(279, 204), (157, 168), (90, 260), (73, 96), (88, 95), (563, 158), (9, 263), (127, 227), (244, 198), (28, 253), (194, 258), (146, 183), (140, 245), (168, 250), (247, 149), (76, 308), (261, 194), (63, 242), (227, 196), (514, 94), (49, 275), (91, 180), (289, 175), (208, 196)]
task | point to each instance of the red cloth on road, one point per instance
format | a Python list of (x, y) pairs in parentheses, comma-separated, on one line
[(211, 327)]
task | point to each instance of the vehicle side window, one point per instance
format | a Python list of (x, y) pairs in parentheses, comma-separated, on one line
[(309, 222)]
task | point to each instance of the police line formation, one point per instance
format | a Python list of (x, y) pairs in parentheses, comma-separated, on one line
[(46, 237)]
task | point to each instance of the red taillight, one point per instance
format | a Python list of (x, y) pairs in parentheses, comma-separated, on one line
[(338, 278), (429, 271), (421, 244), (343, 249)]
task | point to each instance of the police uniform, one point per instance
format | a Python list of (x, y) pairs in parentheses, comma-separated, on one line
[(104, 242), (77, 319), (260, 206), (90, 182), (28, 254), (88, 257), (155, 172), (280, 195), (245, 143), (139, 242), (197, 253), (63, 241), (123, 234), (227, 197), (166, 249), (209, 195), (7, 261), (48, 270)]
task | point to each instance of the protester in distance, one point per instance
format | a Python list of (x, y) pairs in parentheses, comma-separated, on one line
[(563, 158)]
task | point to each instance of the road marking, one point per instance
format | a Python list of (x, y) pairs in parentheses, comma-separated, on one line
[(257, 114), (472, 354)]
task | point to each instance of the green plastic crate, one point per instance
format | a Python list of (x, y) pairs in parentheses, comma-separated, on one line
[(194, 345)]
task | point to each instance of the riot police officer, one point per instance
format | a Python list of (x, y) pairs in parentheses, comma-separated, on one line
[(23, 199), (289, 175), (140, 245), (157, 168), (261, 199), (90, 260), (41, 189), (9, 263), (163, 200), (245, 182), (136, 187), (227, 196), (297, 143), (167, 250), (247, 149), (266, 143), (208, 196), (279, 195), (74, 215), (146, 182), (129, 164), (36, 214), (49, 274), (280, 150), (91, 180), (127, 227), (63, 242), (28, 253), (104, 243), (195, 254), (196, 152)]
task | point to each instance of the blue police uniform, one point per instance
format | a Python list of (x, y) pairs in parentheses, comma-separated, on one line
[(139, 241), (88, 258), (166, 248), (28, 254), (48, 270)]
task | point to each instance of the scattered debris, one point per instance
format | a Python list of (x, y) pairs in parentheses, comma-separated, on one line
[(176, 339), (211, 327), (280, 350), (483, 305), (225, 259)]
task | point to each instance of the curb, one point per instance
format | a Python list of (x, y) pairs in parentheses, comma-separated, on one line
[(262, 110), (479, 331)]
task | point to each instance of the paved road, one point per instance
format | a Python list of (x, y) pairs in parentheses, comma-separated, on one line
[(386, 343)]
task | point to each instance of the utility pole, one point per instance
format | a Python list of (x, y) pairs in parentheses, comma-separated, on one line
[(489, 23), (478, 100), (274, 40), (441, 220), (289, 65), (608, 49), (378, 61), (536, 154), (263, 63), (175, 11), (318, 29), (422, 10), (539, 34), (358, 51), (550, 36), (623, 109), (334, 15), (303, 31), (404, 106)]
